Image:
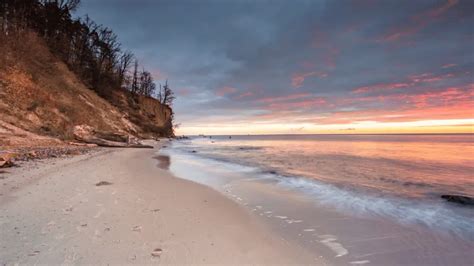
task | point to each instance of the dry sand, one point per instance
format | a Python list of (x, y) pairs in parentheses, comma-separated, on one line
[(54, 213)]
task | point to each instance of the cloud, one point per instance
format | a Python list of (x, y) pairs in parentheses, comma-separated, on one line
[(448, 65), (409, 82), (418, 22), (298, 78), (225, 90), (302, 61), (380, 87), (244, 95)]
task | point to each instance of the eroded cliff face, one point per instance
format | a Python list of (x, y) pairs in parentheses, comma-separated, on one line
[(149, 117), (39, 94)]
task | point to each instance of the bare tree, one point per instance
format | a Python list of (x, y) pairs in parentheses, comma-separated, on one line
[(124, 64), (69, 5), (147, 86), (159, 94), (134, 85), (167, 95)]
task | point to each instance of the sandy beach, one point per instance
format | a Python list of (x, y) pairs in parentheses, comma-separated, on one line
[(236, 132), (117, 206)]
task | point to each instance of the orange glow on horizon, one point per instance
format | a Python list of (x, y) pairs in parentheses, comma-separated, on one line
[(363, 127)]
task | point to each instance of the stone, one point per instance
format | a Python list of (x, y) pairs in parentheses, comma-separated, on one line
[(464, 200)]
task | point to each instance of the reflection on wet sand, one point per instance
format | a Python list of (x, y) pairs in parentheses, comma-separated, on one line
[(164, 161)]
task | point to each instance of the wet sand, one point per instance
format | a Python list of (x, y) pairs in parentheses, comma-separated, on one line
[(119, 207)]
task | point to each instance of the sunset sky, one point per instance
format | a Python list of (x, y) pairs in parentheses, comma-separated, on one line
[(265, 67)]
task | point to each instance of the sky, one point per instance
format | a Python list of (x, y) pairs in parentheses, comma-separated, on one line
[(299, 67)]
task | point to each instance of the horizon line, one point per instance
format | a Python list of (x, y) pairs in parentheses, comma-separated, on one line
[(307, 134)]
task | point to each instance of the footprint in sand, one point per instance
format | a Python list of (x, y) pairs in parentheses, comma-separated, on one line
[(291, 221), (156, 253), (359, 262), (99, 213), (34, 253), (330, 241), (103, 183), (137, 228), (48, 227), (97, 234)]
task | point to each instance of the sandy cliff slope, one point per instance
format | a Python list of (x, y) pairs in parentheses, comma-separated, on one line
[(39, 94)]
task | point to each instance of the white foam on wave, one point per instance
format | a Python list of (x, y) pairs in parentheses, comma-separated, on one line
[(403, 210)]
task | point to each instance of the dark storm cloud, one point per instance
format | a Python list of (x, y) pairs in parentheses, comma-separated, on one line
[(302, 59)]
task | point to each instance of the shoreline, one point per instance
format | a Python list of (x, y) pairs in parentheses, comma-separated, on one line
[(118, 206), (342, 236)]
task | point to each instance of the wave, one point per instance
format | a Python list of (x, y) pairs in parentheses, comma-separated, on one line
[(434, 214)]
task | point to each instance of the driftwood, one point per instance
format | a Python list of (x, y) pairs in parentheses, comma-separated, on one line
[(6, 160), (6, 163), (88, 134)]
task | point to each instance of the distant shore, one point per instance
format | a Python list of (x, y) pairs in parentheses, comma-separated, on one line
[(117, 206)]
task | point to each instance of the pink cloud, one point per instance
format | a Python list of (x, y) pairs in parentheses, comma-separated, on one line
[(297, 79), (451, 103), (380, 86), (448, 65), (244, 95), (410, 81), (301, 104), (418, 22), (183, 91), (448, 103), (284, 98), (448, 96), (293, 102), (158, 74), (225, 90)]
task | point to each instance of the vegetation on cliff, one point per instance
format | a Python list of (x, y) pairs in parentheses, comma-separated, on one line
[(53, 68)]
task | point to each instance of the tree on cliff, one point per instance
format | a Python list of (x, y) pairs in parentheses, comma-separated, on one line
[(147, 86), (134, 84), (90, 50), (124, 64), (165, 95)]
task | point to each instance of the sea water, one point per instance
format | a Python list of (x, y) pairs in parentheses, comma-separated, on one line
[(401, 177)]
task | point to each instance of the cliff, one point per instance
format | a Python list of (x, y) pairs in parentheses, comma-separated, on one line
[(39, 95)]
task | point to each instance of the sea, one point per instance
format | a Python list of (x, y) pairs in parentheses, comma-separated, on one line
[(397, 178)]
